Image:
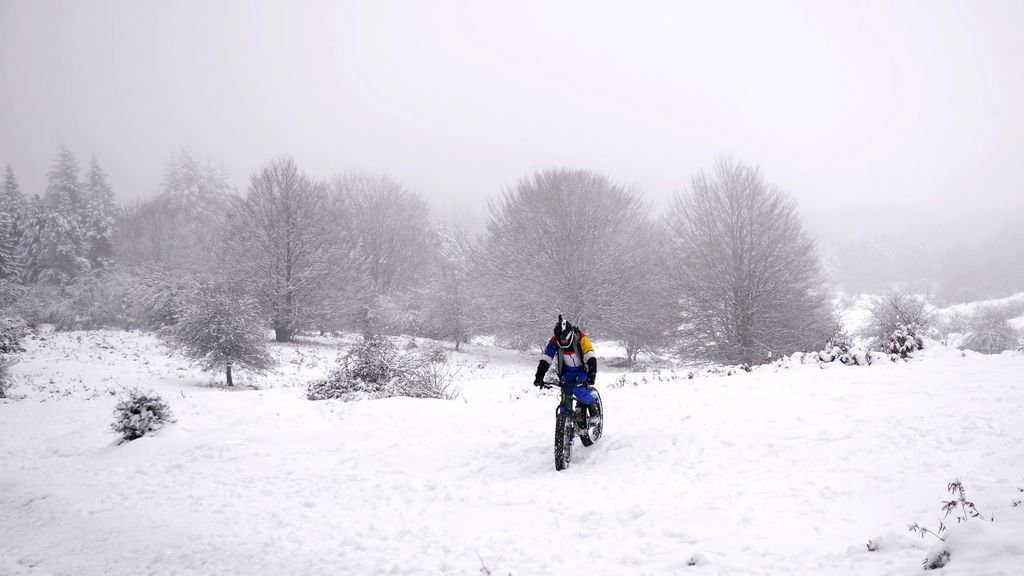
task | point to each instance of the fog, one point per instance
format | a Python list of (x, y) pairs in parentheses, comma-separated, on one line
[(891, 123)]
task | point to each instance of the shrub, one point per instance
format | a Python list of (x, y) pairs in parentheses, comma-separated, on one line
[(904, 340), (841, 348), (376, 369), (989, 330), (12, 331), (140, 413), (896, 311), (5, 376)]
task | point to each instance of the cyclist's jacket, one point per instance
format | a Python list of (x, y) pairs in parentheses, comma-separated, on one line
[(575, 357)]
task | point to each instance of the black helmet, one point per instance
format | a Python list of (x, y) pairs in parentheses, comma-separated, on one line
[(564, 333)]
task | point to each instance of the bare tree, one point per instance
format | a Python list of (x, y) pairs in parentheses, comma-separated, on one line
[(746, 274), (989, 330), (393, 240), (570, 242), (282, 242), (148, 235), (449, 290)]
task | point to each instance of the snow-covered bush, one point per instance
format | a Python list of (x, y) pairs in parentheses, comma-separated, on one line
[(140, 413), (989, 330), (377, 369), (905, 340), (374, 361), (842, 349), (12, 331), (896, 312), (219, 329), (5, 376)]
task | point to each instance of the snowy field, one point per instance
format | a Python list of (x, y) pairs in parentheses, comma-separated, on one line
[(786, 470)]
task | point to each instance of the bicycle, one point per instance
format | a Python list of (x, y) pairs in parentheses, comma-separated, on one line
[(572, 419)]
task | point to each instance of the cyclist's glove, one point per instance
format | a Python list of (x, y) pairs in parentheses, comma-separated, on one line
[(542, 369)]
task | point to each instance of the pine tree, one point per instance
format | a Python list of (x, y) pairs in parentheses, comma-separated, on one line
[(62, 256), (30, 246), (196, 195), (12, 214), (8, 247), (12, 201), (99, 214)]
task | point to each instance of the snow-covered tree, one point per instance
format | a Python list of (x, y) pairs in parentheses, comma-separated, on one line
[(283, 242), (393, 238), (148, 235), (219, 329), (12, 200), (449, 291), (13, 212), (989, 330), (99, 216), (30, 246), (570, 242), (62, 255), (746, 274), (195, 197), (9, 262)]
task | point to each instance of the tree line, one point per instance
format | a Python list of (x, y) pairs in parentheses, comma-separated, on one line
[(727, 275)]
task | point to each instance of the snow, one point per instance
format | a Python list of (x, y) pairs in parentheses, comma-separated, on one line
[(789, 469)]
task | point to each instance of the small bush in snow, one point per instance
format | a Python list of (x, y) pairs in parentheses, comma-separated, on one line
[(904, 340), (989, 330), (376, 369), (140, 413), (12, 331), (840, 348)]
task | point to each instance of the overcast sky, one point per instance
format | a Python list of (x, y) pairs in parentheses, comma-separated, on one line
[(848, 106)]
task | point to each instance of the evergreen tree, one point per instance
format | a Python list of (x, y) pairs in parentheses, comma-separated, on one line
[(195, 195), (99, 214), (30, 246), (12, 201), (12, 211), (62, 256), (8, 247)]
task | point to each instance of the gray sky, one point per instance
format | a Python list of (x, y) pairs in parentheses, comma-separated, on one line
[(852, 107)]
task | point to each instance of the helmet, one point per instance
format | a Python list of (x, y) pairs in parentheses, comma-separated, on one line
[(564, 333)]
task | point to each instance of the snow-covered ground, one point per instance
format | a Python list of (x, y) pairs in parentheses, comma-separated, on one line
[(786, 470)]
